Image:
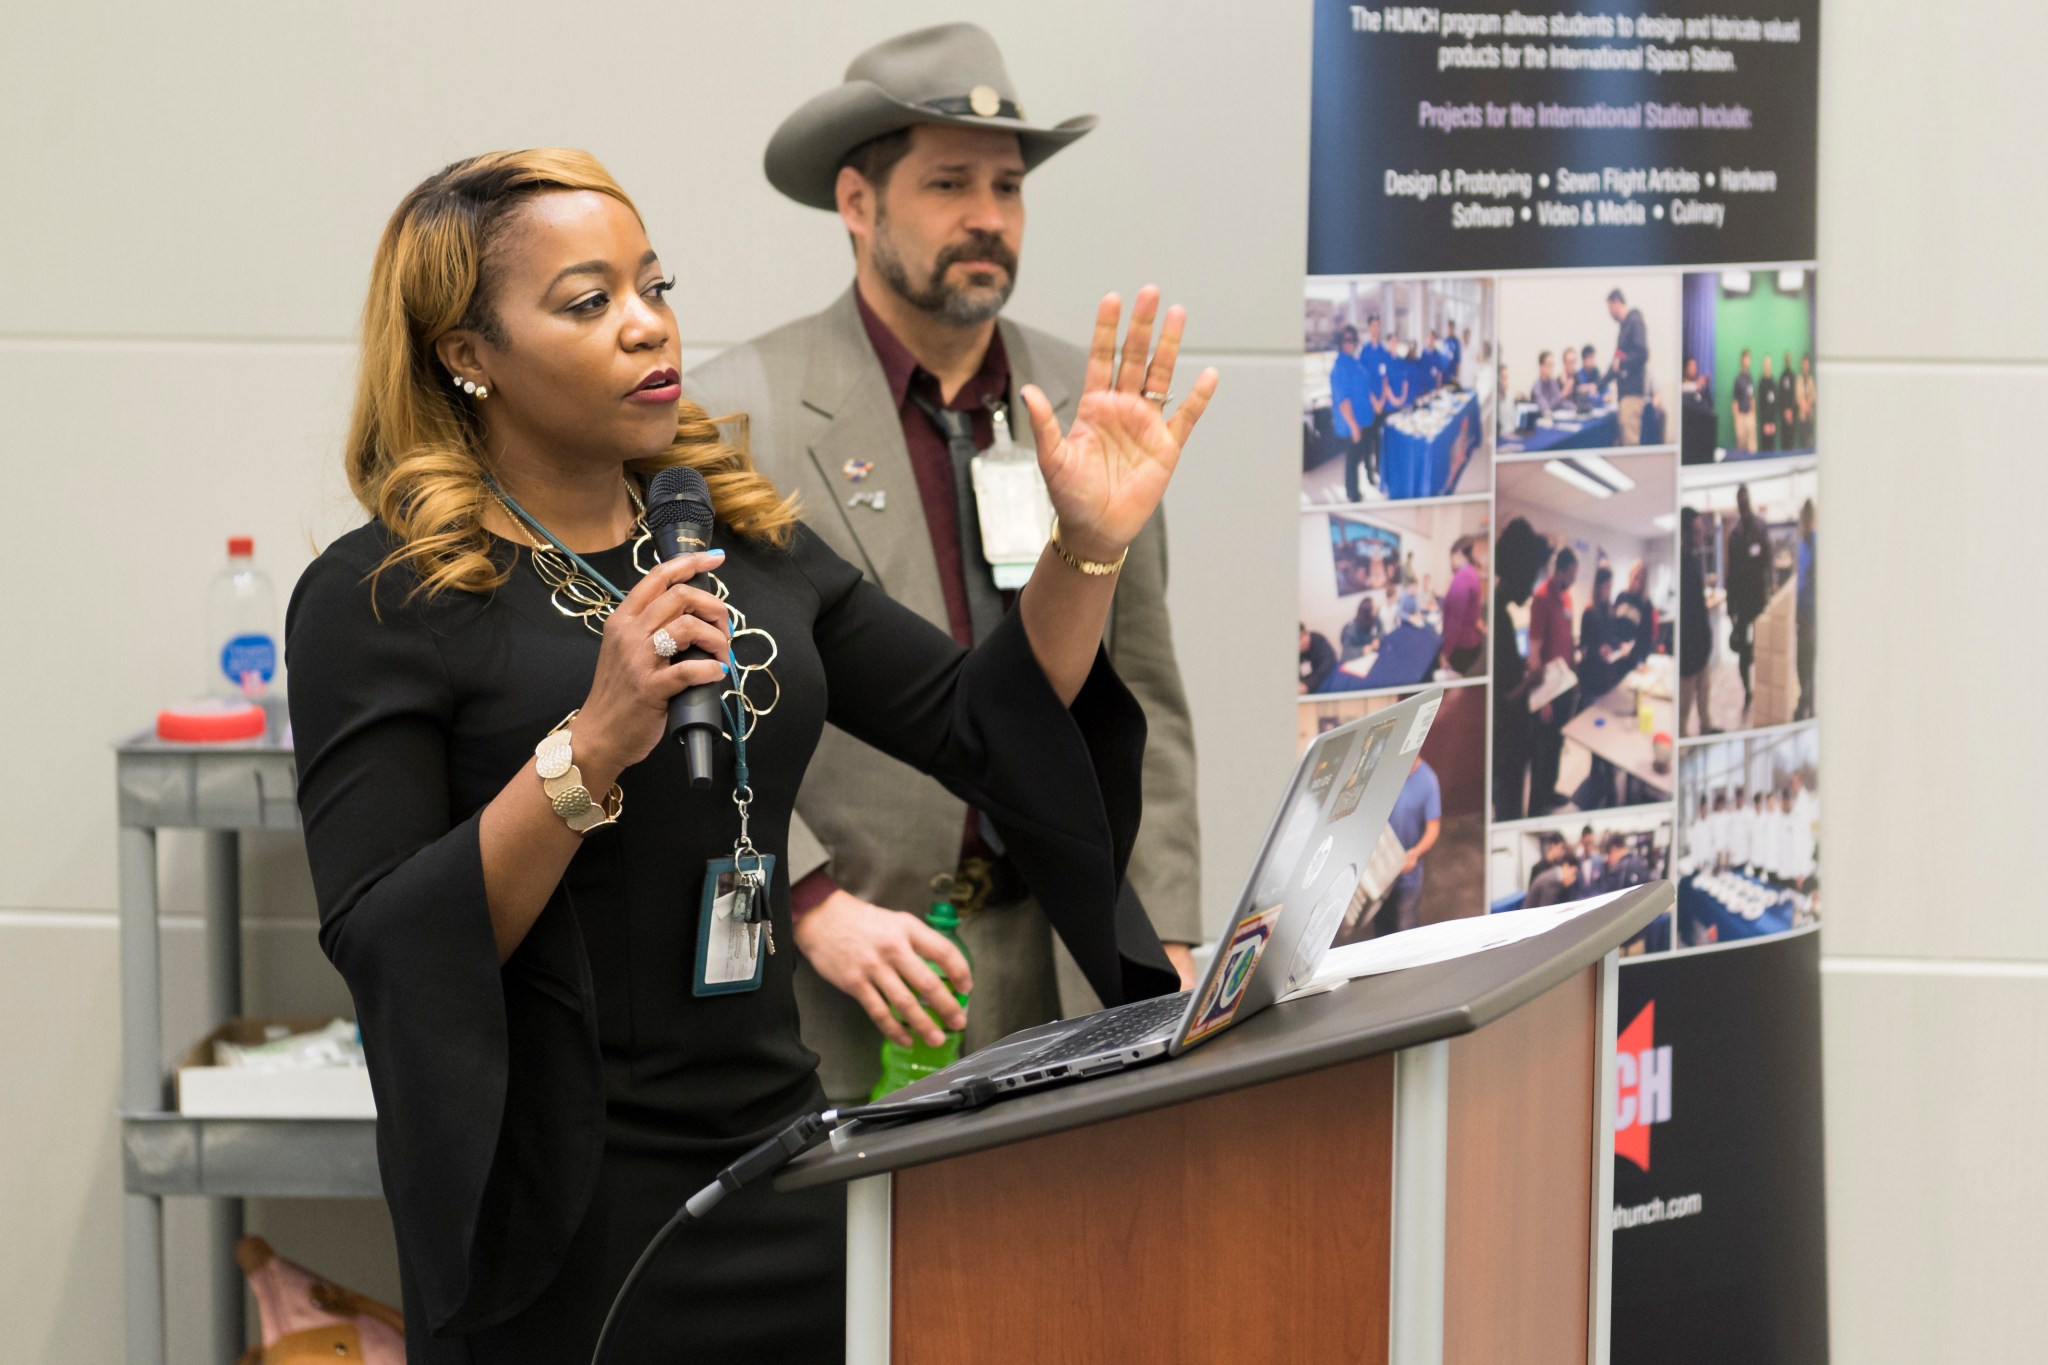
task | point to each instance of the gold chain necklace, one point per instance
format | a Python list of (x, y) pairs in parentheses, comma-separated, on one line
[(571, 590)]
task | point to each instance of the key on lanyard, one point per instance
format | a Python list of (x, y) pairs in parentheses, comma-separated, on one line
[(750, 892), (750, 904)]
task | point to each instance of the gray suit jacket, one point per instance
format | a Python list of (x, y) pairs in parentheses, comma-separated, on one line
[(815, 396)]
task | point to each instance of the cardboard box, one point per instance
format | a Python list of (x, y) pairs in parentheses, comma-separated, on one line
[(208, 1091)]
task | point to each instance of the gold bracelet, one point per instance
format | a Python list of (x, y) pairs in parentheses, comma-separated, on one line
[(1094, 568), (562, 780)]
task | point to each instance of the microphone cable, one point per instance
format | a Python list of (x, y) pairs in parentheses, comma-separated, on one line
[(770, 1156)]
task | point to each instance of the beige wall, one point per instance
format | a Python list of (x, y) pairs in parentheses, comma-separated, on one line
[(190, 209), (1934, 337)]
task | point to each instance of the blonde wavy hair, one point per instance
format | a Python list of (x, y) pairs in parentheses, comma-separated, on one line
[(416, 457)]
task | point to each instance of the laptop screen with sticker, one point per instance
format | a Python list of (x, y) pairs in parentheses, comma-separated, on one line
[(1313, 780), (1309, 869)]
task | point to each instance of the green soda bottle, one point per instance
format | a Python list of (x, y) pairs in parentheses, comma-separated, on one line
[(901, 1065)]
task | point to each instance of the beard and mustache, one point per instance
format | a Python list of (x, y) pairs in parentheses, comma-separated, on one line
[(961, 305)]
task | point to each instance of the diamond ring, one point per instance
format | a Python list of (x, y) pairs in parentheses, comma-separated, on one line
[(665, 644)]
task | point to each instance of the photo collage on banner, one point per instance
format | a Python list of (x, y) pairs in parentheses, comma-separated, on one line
[(1494, 498), (1560, 456)]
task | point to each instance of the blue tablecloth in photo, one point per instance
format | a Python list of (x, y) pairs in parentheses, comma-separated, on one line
[(1404, 660), (1701, 906), (1596, 430), (1414, 466)]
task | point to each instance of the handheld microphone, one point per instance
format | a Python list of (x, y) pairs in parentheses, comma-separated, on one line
[(679, 516)]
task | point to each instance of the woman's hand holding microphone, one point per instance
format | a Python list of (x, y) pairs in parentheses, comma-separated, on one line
[(625, 714)]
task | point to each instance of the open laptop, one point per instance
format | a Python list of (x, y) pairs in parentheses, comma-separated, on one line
[(1317, 849)]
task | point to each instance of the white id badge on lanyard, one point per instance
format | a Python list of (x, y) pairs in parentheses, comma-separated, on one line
[(1012, 506), (732, 924)]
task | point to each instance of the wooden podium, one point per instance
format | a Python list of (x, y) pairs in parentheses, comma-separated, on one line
[(1414, 1168)]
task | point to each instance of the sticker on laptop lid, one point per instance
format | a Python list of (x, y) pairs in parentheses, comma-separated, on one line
[(1419, 731), (1333, 909), (1317, 859), (1330, 755), (1240, 960), (1349, 795)]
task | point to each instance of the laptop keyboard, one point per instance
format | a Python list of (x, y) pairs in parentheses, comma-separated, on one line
[(1120, 1027)]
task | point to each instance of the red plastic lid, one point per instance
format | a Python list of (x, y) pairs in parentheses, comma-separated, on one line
[(210, 722), (241, 545)]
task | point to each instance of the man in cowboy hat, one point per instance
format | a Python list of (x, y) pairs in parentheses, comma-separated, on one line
[(871, 410)]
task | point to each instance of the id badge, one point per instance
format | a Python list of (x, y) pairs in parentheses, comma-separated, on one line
[(1013, 508), (730, 925)]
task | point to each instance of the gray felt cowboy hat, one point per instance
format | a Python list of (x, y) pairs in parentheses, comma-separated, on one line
[(950, 74)]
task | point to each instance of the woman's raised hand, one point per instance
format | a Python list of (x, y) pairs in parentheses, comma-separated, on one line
[(1108, 471), (626, 712)]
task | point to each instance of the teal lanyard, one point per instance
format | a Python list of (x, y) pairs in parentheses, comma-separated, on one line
[(732, 726), (549, 536)]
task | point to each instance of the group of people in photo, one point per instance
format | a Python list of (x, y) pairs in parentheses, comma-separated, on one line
[(1372, 378), (1571, 382), (1401, 617), (1613, 636), (1748, 386), (1599, 863), (1746, 587), (1771, 410), (1770, 835)]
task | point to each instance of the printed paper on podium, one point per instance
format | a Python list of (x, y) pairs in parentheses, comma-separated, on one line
[(1453, 938)]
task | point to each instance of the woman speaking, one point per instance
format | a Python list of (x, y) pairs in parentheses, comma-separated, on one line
[(573, 968)]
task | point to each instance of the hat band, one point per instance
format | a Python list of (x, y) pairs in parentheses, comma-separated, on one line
[(968, 104)]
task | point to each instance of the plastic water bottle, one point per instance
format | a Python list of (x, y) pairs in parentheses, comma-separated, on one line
[(241, 627), (901, 1065)]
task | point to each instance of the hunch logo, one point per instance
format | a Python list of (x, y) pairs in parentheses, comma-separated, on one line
[(1642, 1075)]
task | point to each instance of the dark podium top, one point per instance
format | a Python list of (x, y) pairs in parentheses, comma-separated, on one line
[(1362, 1018)]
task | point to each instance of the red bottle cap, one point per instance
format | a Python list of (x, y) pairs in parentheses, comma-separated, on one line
[(241, 545), (210, 723)]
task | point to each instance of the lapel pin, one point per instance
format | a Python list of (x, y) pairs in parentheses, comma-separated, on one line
[(857, 471), (879, 499)]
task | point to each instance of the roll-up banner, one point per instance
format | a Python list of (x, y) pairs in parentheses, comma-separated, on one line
[(1560, 453)]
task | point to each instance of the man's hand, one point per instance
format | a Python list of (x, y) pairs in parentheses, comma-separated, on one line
[(1182, 956), (1408, 863), (877, 956)]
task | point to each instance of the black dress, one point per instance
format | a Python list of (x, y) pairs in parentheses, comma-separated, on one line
[(537, 1122)]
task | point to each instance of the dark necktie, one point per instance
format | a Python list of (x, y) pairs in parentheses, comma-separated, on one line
[(984, 601)]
